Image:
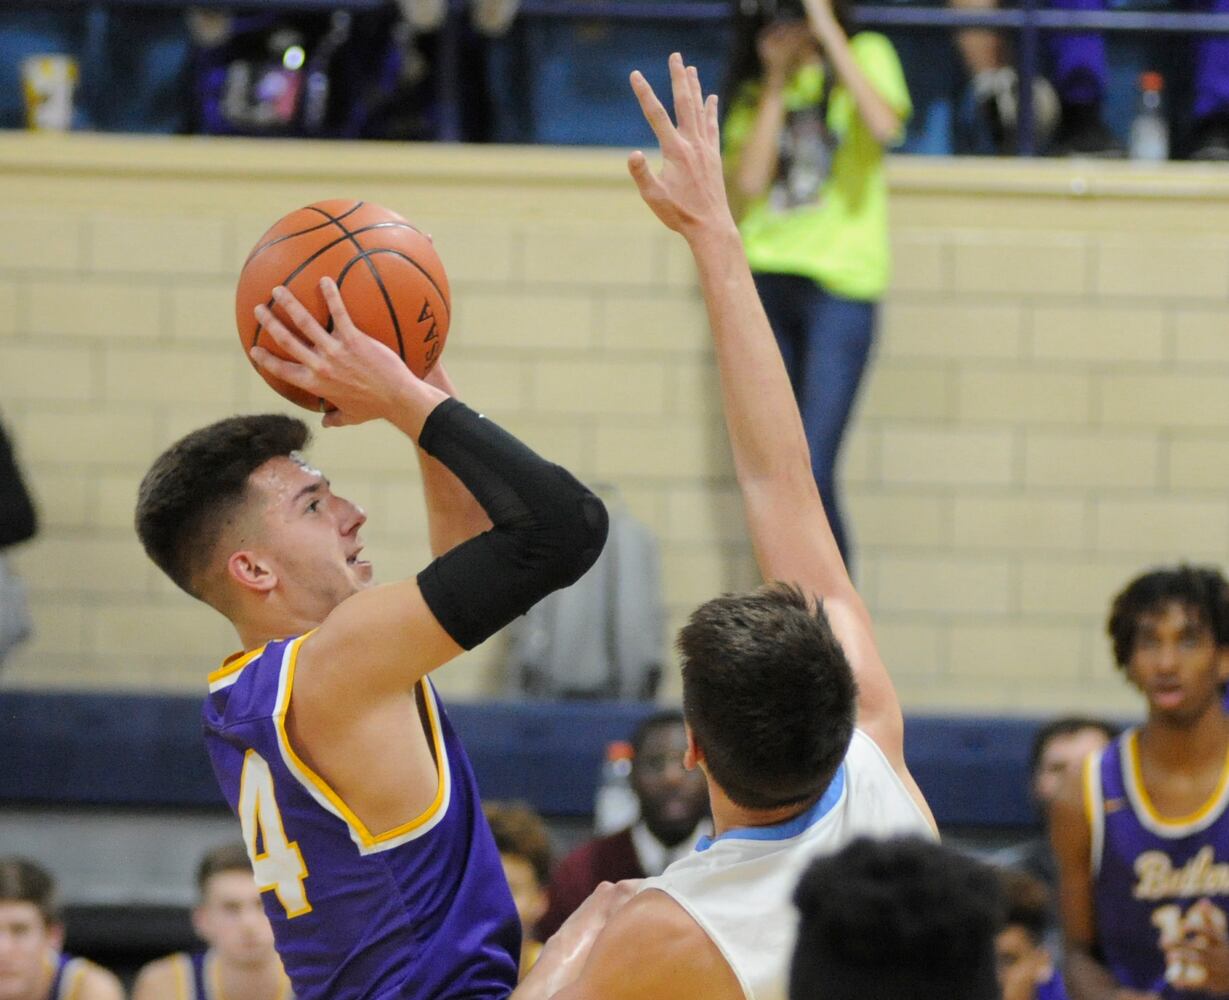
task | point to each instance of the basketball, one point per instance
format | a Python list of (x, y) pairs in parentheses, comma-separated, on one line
[(388, 273)]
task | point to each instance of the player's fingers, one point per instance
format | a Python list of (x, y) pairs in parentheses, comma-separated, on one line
[(712, 121), (696, 93), (684, 106), (284, 339), (303, 320), (649, 186), (654, 113), (337, 306), (287, 371), (335, 418)]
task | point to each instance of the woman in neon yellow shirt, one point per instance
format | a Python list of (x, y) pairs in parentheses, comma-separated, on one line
[(812, 106)]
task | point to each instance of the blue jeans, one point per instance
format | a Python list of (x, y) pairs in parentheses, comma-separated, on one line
[(825, 341)]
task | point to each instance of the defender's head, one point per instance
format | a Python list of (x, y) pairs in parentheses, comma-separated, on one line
[(234, 516), (30, 925), (768, 695), (1060, 747), (902, 919), (1170, 633), (525, 853), (230, 916)]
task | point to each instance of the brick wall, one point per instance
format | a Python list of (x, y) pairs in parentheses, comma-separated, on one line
[(1045, 416)]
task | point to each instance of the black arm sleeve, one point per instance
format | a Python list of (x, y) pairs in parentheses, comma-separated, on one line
[(17, 518), (547, 530)]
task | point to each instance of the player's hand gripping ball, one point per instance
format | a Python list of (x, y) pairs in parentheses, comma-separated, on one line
[(388, 272)]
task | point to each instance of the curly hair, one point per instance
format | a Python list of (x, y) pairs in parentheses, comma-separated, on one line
[(1202, 590), (903, 919)]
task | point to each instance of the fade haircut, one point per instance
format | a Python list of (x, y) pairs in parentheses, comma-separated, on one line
[(903, 919), (197, 486), (23, 881), (1026, 902), (520, 833), (1067, 725), (227, 858), (768, 694), (1201, 590)]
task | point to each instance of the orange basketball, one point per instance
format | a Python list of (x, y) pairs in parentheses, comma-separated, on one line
[(388, 272)]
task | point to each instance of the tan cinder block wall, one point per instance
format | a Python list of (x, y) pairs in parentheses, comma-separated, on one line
[(1045, 417)]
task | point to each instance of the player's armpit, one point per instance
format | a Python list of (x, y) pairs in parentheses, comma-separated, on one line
[(652, 949)]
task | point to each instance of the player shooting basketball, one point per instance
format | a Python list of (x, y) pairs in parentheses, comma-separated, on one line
[(357, 802), (791, 713)]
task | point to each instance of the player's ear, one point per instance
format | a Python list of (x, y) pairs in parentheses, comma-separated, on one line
[(693, 756), (200, 922), (1222, 664), (55, 936), (251, 572)]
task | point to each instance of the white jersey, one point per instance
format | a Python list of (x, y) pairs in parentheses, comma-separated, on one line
[(740, 886)]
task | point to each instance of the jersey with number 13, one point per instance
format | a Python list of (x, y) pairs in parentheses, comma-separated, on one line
[(420, 911), (1157, 881)]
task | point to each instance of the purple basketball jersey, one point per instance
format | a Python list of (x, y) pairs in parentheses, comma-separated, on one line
[(1149, 871), (420, 912), (1052, 988)]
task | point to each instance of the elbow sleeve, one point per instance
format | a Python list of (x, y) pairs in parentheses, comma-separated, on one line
[(548, 529)]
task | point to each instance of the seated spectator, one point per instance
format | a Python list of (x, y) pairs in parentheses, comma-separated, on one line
[(1081, 74), (238, 959), (1027, 970), (673, 817), (1059, 748), (902, 919), (525, 852), (32, 964)]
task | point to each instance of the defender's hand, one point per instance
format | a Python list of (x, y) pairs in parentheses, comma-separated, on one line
[(689, 195), (568, 948), (354, 372)]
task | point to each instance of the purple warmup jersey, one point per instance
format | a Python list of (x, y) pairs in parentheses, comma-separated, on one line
[(1150, 873), (420, 912)]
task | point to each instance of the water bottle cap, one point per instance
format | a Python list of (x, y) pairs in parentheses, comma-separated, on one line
[(1151, 80), (619, 750)]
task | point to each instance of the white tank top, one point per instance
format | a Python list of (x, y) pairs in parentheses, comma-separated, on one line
[(740, 886)]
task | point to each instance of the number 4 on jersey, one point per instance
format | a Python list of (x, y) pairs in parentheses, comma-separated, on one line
[(276, 861)]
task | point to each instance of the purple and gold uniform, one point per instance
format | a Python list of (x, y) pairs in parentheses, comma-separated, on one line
[(67, 975), (419, 912), (196, 977), (1155, 880)]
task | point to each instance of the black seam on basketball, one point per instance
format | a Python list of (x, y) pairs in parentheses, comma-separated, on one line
[(302, 232), (379, 280), (285, 282)]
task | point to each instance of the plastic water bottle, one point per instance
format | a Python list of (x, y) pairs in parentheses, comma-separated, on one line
[(1149, 139), (615, 806)]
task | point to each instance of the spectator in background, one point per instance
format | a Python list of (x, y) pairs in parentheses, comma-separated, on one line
[(18, 522), (673, 818), (1027, 970), (32, 964), (812, 104), (238, 959), (1081, 74), (1059, 750), (525, 852), (901, 919)]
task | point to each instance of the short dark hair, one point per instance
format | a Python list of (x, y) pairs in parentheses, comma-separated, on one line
[(768, 693), (24, 881), (227, 858), (520, 833), (1026, 902), (1067, 725), (903, 919), (1201, 589), (194, 487), (666, 718)]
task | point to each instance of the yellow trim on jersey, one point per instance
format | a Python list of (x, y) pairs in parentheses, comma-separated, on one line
[(235, 663), (1091, 761), (182, 964), (368, 838), (74, 976), (1215, 802)]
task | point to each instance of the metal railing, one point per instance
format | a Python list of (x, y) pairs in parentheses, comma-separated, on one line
[(1027, 21)]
